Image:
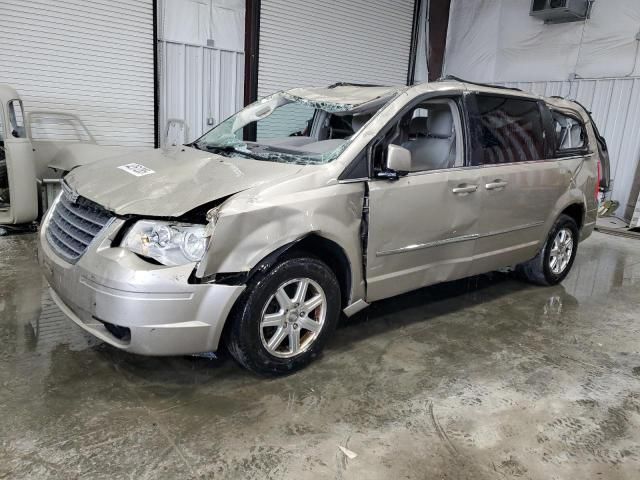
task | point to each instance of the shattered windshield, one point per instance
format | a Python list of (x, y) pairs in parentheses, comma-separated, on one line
[(289, 129)]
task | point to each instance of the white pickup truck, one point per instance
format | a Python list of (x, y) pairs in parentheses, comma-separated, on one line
[(36, 150)]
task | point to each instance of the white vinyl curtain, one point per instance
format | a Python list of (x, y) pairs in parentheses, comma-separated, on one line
[(497, 40), (217, 23)]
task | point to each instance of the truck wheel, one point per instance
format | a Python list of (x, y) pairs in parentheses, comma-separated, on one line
[(4, 175), (553, 262), (284, 317)]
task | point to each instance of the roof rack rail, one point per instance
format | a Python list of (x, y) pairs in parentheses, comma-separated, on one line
[(458, 79), (349, 84)]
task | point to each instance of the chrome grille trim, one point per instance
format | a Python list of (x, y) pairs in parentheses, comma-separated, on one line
[(73, 226)]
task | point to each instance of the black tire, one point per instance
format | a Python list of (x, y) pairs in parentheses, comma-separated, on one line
[(243, 335), (538, 269), (4, 175)]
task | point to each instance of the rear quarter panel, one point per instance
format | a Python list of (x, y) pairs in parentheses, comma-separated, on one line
[(581, 172)]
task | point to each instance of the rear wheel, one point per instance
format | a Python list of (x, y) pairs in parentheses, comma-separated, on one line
[(285, 316), (4, 182), (554, 261)]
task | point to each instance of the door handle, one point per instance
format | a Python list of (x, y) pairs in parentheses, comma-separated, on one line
[(464, 189), (496, 185)]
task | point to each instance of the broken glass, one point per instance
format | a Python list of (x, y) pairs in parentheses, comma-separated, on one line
[(289, 146)]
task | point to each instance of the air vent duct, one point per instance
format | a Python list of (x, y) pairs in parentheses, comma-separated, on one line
[(560, 11)]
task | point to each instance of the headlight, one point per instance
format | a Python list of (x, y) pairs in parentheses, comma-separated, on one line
[(169, 243)]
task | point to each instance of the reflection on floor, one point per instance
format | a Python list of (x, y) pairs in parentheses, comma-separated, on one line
[(478, 379)]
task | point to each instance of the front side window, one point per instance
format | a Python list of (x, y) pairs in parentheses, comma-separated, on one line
[(428, 131), (289, 130), (505, 130), (570, 133), (16, 117), (431, 136)]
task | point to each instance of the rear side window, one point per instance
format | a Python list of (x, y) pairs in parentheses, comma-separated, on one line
[(570, 133), (505, 130)]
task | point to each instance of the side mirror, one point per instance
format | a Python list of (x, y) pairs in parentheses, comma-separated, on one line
[(398, 159)]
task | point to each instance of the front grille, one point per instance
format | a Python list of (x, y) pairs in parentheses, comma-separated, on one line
[(73, 226)]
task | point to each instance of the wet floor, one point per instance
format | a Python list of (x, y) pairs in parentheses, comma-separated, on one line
[(478, 379)]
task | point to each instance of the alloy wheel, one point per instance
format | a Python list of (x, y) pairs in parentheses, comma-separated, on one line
[(561, 251), (293, 317)]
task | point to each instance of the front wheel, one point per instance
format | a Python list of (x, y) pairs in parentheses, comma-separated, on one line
[(553, 262), (285, 316)]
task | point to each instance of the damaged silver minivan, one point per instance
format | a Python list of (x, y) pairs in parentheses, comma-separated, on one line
[(347, 195)]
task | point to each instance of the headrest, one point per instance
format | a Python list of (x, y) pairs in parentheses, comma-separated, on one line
[(440, 123), (418, 126), (358, 121)]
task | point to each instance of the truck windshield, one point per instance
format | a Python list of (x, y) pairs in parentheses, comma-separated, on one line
[(288, 129)]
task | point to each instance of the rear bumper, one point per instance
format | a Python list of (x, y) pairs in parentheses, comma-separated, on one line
[(163, 312)]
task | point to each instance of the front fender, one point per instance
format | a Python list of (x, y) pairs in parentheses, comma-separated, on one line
[(250, 228)]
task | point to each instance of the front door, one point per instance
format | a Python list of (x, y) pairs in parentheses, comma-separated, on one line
[(422, 226), (18, 188)]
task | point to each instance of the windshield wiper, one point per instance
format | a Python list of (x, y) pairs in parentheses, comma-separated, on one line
[(231, 149)]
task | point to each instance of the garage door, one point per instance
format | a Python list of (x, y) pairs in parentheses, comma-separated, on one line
[(318, 43), (87, 57)]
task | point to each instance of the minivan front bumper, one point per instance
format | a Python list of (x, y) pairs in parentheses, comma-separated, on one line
[(135, 305)]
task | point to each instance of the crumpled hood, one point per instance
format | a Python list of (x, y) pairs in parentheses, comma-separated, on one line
[(169, 183)]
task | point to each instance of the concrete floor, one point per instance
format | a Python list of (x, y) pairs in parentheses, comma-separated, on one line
[(478, 379)]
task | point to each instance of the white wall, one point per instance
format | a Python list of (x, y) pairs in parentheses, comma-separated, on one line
[(497, 40), (198, 21), (596, 62), (201, 59)]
